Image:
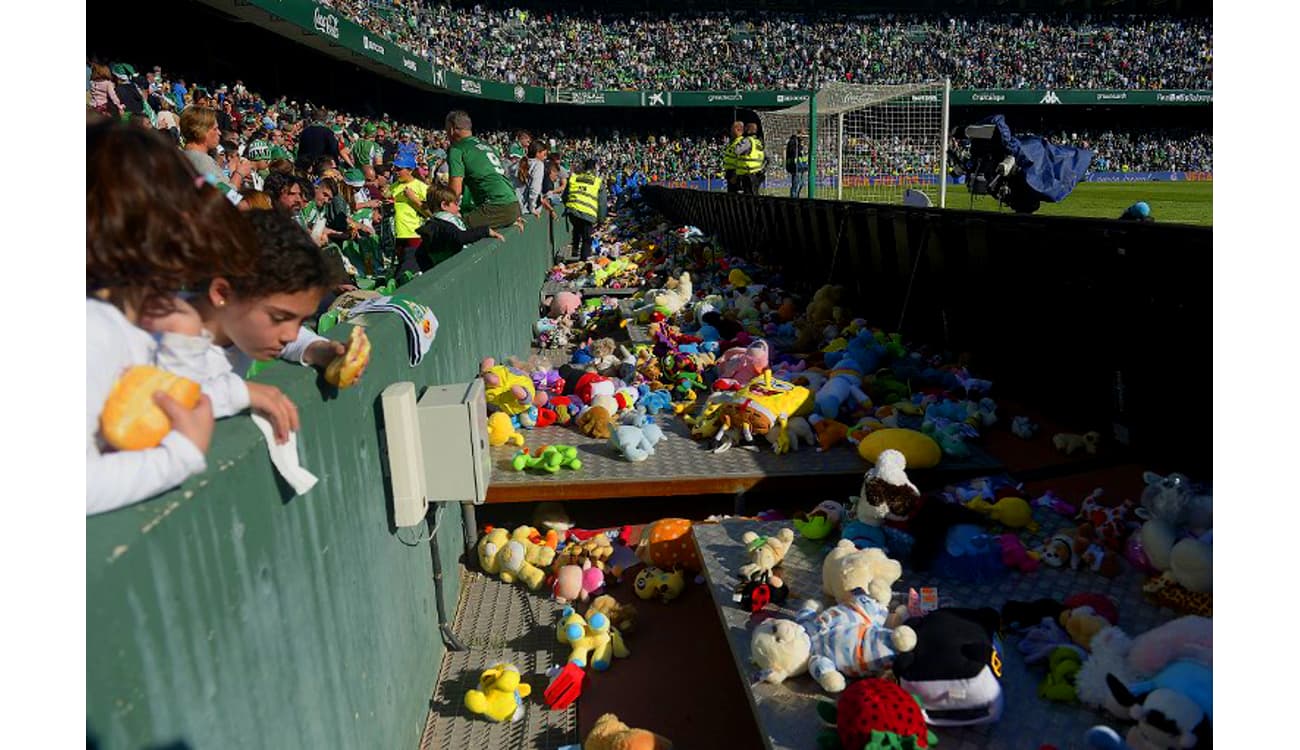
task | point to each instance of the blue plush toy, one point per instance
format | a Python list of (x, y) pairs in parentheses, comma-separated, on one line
[(842, 387), (636, 443), (654, 401)]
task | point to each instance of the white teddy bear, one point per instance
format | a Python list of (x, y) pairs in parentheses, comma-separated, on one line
[(847, 568)]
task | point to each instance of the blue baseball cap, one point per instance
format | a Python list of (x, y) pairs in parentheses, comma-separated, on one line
[(404, 160)]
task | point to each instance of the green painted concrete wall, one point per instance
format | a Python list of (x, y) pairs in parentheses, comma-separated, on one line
[(229, 614)]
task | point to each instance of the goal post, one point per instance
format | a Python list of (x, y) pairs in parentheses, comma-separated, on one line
[(868, 143)]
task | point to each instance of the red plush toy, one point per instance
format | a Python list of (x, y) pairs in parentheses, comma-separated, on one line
[(1111, 521), (873, 705)]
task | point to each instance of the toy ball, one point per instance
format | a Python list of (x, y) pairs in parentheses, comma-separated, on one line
[(1136, 554)]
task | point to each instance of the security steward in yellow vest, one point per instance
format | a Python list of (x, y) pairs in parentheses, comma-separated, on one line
[(729, 161), (585, 205), (749, 160)]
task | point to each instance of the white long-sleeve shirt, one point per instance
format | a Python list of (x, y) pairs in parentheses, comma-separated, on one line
[(118, 478)]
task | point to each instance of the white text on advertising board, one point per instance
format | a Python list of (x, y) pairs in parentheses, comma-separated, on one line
[(369, 45), (587, 97), (1112, 96), (409, 64), (988, 97), (783, 98), (1184, 97), (925, 97), (470, 86), (726, 97), (325, 23)]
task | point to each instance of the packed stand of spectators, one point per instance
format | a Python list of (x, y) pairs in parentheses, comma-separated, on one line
[(748, 50), (1145, 151)]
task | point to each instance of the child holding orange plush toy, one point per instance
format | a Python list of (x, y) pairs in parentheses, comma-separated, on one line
[(151, 228)]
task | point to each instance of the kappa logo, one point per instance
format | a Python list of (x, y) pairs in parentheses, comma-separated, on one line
[(439, 77), (519, 93), (325, 23), (657, 99), (470, 86), (367, 44), (1050, 98)]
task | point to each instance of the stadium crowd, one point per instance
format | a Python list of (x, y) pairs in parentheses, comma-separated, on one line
[(747, 50)]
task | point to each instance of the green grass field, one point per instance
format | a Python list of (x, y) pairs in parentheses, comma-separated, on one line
[(1171, 202)]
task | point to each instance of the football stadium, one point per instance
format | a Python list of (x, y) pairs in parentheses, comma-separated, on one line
[(758, 375)]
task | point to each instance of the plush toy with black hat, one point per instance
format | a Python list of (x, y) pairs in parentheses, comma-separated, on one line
[(955, 667)]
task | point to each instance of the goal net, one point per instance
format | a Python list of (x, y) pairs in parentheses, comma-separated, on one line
[(872, 143)]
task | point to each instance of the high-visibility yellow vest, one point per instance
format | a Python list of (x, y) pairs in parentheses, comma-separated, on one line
[(730, 162), (752, 162), (584, 196)]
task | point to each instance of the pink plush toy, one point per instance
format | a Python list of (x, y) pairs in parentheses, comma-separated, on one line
[(745, 364), (1190, 637), (1014, 554), (564, 303), (573, 583)]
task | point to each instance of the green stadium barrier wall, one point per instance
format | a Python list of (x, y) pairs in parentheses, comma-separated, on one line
[(229, 613), (1104, 324), (324, 28)]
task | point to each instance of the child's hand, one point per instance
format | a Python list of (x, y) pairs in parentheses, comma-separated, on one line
[(271, 403), (321, 353), (496, 235), (519, 224), (195, 424)]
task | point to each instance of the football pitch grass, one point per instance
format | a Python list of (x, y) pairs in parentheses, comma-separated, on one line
[(1170, 202)]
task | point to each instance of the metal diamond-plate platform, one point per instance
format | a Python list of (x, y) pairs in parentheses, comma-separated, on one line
[(498, 622), (786, 714), (683, 466)]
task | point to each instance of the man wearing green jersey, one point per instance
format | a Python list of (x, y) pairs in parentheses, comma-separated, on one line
[(477, 177), (366, 150)]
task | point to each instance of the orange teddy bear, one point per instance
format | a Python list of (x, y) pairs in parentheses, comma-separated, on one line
[(609, 733)]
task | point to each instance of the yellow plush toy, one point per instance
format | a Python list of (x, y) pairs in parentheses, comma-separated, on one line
[(1012, 512), (502, 431), (500, 694), (919, 449), (505, 388), (595, 640), (514, 557)]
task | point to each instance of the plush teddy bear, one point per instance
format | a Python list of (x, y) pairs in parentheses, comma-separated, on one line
[(621, 616), (1177, 538), (593, 640), (744, 364), (765, 553), (798, 432), (608, 733), (596, 549), (513, 556), (500, 694), (847, 568), (855, 639), (1173, 499), (595, 422)]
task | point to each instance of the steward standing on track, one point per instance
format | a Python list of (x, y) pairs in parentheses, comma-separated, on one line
[(796, 163), (585, 205), (729, 159), (749, 160)]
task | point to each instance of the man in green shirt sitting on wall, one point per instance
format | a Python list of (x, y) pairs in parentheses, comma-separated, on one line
[(477, 177)]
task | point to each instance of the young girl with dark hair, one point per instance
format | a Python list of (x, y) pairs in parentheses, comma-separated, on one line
[(152, 227)]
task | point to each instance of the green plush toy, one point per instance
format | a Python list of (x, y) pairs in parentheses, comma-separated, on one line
[(1063, 665), (550, 458)]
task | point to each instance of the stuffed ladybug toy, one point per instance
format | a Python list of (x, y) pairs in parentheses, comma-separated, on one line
[(755, 594)]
